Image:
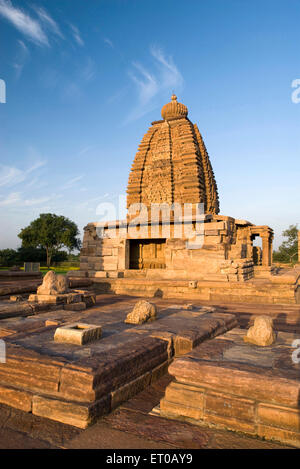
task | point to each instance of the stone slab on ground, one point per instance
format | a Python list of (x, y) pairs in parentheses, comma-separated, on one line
[(239, 386), (24, 308), (60, 298), (17, 286), (75, 384)]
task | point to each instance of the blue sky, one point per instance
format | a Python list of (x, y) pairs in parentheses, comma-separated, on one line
[(85, 78)]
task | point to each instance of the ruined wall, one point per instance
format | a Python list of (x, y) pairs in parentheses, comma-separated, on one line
[(102, 254), (224, 252)]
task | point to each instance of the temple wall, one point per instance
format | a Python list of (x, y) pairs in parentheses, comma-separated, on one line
[(107, 254), (223, 251)]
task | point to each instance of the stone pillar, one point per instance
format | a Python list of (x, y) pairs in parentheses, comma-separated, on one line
[(265, 251)]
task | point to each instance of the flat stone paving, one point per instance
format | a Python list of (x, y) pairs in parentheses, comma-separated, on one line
[(130, 425)]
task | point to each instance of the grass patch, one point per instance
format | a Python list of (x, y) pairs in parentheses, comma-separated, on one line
[(57, 270)]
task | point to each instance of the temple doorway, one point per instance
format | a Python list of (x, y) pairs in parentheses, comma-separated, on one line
[(257, 250), (147, 254)]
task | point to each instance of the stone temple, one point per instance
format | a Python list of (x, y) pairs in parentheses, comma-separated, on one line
[(83, 349), (164, 248)]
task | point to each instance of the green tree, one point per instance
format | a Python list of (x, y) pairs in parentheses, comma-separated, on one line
[(8, 257), (31, 254), (51, 232), (288, 250)]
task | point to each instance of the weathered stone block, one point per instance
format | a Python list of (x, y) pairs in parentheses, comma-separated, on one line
[(159, 371), (15, 398), (173, 409), (77, 333), (277, 416), (222, 404), (129, 390), (71, 413), (142, 312), (100, 274), (279, 434), (230, 423), (179, 393), (67, 298), (75, 306), (261, 333), (193, 284)]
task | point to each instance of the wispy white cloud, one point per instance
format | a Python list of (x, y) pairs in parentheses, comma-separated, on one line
[(147, 83), (21, 58), (85, 73), (20, 201), (92, 202), (27, 25), (11, 199), (89, 70), (150, 85), (72, 91), (11, 176), (72, 182), (36, 201), (85, 150), (169, 73), (48, 21), (76, 34), (17, 199), (109, 42), (39, 28), (36, 183)]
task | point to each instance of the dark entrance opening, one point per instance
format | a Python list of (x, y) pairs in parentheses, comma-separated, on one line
[(147, 254), (257, 249)]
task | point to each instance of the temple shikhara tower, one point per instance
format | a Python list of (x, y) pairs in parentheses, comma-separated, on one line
[(172, 164), (163, 247)]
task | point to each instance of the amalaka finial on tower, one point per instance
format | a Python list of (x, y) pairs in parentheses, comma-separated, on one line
[(173, 109)]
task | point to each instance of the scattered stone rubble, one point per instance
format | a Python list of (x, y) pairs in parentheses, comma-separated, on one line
[(53, 284), (261, 333), (142, 312)]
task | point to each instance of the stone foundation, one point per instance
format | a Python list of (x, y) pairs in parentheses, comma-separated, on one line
[(75, 384), (227, 383), (283, 289)]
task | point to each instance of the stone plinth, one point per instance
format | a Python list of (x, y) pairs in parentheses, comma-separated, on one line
[(76, 384), (65, 298), (77, 333), (281, 289), (230, 384)]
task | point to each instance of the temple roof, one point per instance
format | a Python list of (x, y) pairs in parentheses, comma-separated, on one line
[(172, 164)]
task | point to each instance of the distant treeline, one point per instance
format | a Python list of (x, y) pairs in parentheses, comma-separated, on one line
[(12, 257)]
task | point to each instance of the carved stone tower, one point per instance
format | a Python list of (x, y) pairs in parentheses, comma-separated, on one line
[(172, 164)]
